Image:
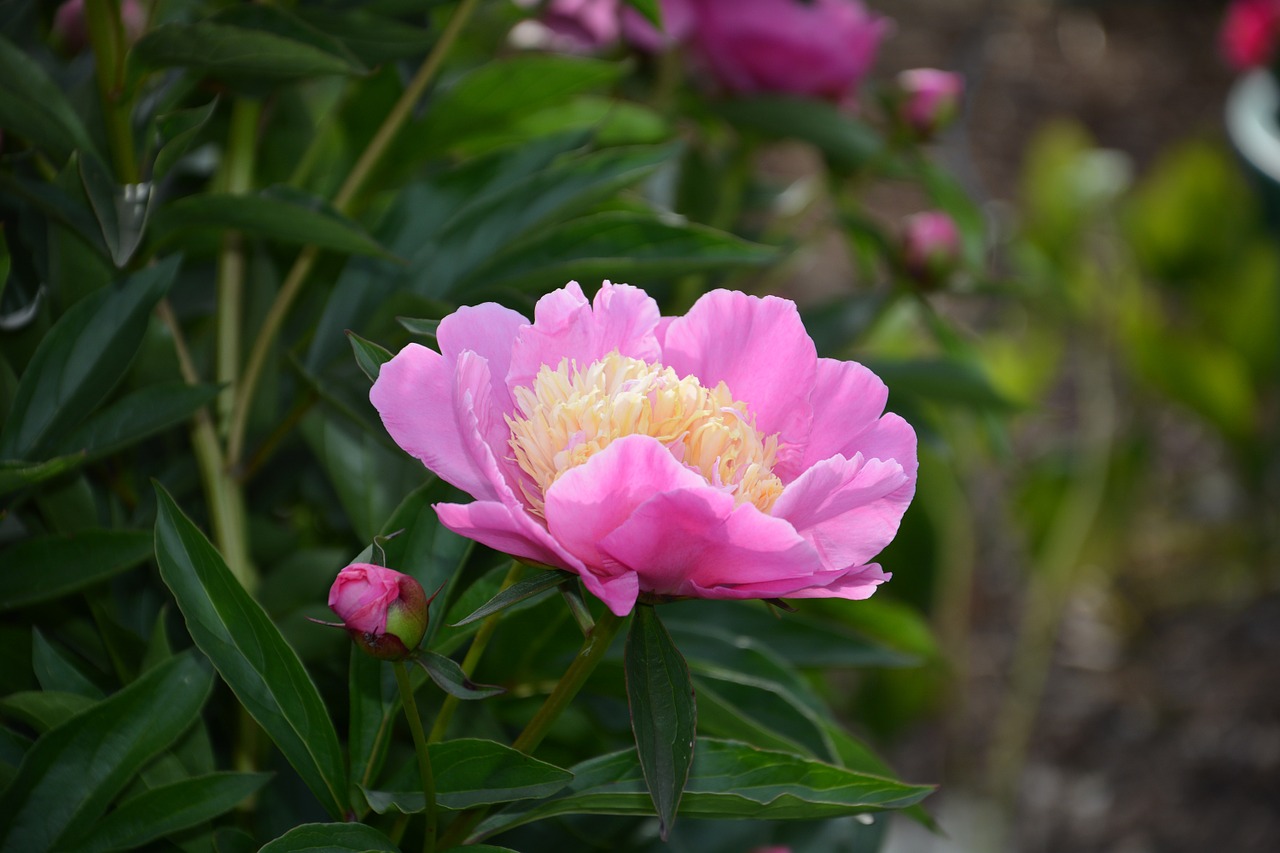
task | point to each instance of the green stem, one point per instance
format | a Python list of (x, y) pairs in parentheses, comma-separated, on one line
[(424, 757), (474, 653), (593, 650), (350, 189), (106, 35)]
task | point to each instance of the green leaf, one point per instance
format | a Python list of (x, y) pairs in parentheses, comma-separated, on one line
[(941, 380), (136, 416), (55, 671), (250, 655), (32, 106), (6, 261), (450, 678), (620, 246), (289, 216), (471, 772), (43, 710), (80, 360), (372, 38), (421, 328), (177, 130), (846, 142), (48, 567), (331, 838), (517, 592), (121, 210), (369, 355), (663, 712), (72, 772), (729, 780), (16, 474), (161, 811), (61, 203)]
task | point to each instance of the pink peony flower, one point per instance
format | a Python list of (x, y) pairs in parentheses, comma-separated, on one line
[(384, 611), (820, 48), (712, 455), (930, 98), (1250, 32), (930, 246)]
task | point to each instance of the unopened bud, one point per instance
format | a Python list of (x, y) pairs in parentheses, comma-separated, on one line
[(929, 99), (930, 246), (383, 610), (71, 33)]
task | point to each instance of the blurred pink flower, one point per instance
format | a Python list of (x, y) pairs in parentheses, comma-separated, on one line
[(712, 455), (586, 25), (930, 246), (677, 24), (820, 48), (1249, 33), (70, 31), (384, 611), (930, 98)]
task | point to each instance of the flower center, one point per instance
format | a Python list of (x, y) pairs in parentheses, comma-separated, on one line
[(571, 413)]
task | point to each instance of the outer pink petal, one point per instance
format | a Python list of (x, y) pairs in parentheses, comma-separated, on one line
[(433, 419), (506, 527), (760, 350), (488, 330), (848, 402), (849, 509), (854, 584), (565, 325)]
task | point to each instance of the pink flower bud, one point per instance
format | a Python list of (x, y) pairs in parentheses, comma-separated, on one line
[(820, 48), (1249, 33), (384, 611), (930, 99), (574, 26), (930, 246), (70, 31)]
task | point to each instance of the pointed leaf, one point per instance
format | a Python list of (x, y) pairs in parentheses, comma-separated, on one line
[(138, 415), (421, 328), (250, 654), (471, 772), (729, 780), (161, 811), (177, 130), (43, 710), (369, 355), (80, 360), (331, 838), (121, 210), (16, 474), (663, 712), (449, 677), (55, 671), (72, 772), (47, 567), (517, 592), (33, 107)]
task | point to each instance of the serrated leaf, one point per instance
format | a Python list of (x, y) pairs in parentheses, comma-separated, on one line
[(136, 416), (517, 592), (33, 107), (48, 567), (272, 214), (80, 360), (331, 838), (368, 355), (471, 772), (250, 654), (161, 811), (450, 678), (663, 712), (72, 772), (729, 780)]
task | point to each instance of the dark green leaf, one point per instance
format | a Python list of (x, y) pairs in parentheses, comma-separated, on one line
[(5, 263), (43, 709), (941, 381), (620, 246), (517, 592), (663, 712), (72, 772), (374, 702), (80, 360), (250, 655), (369, 355), (33, 107), (161, 811), (121, 210), (450, 678), (16, 474), (138, 415), (728, 780), (470, 772), (372, 38), (846, 142), (48, 567), (331, 838), (177, 130), (274, 214), (62, 204), (55, 671), (421, 328)]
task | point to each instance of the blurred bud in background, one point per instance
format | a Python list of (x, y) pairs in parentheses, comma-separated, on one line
[(71, 33), (930, 247), (1249, 33), (928, 100)]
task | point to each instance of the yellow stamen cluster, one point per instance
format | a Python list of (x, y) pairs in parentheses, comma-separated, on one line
[(571, 413)]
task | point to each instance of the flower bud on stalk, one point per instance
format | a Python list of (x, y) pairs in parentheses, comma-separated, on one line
[(930, 247), (929, 100), (71, 33), (384, 611)]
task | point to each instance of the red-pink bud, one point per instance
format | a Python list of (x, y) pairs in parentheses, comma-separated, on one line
[(930, 99), (1250, 32), (930, 246), (383, 610), (71, 33)]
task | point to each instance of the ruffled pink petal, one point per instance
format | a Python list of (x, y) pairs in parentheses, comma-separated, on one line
[(508, 528), (760, 350), (565, 325), (488, 330), (848, 509), (853, 584)]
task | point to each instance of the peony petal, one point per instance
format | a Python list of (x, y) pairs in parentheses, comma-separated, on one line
[(507, 528), (760, 350), (488, 330), (849, 509), (621, 318), (854, 584)]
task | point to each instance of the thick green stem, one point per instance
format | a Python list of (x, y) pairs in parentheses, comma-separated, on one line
[(106, 35), (472, 658), (424, 757), (350, 190), (593, 650)]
